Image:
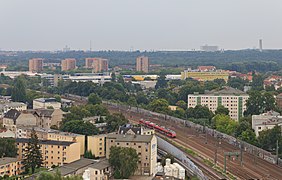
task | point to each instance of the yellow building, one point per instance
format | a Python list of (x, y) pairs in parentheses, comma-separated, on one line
[(53, 152), (205, 76), (96, 144), (145, 146), (10, 166), (55, 135)]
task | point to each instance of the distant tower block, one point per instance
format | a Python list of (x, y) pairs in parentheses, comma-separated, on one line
[(260, 45)]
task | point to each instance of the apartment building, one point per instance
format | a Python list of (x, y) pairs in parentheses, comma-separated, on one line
[(266, 121), (145, 145), (7, 105), (96, 144), (101, 170), (232, 99), (98, 64), (35, 65), (142, 64), (135, 130), (10, 167), (45, 103), (51, 134), (53, 152), (205, 75), (48, 117), (15, 118), (68, 64)]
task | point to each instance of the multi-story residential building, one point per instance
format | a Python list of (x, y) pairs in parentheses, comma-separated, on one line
[(68, 64), (15, 118), (145, 146), (98, 64), (7, 105), (35, 65), (49, 117), (10, 167), (232, 99), (51, 134), (279, 100), (135, 130), (96, 144), (54, 153), (45, 103), (142, 64), (275, 81), (266, 121)]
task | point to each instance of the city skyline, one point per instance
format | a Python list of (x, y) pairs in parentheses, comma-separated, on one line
[(139, 25)]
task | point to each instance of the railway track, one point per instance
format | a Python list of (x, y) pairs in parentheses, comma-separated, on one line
[(196, 141)]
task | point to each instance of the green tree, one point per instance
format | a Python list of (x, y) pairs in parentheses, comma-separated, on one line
[(94, 99), (114, 121), (222, 110), (113, 77), (132, 101), (248, 136), (19, 90), (257, 83), (32, 155), (199, 112), (267, 139), (182, 104), (161, 82), (159, 105), (124, 161), (57, 97), (56, 176), (80, 127), (225, 124), (8, 147), (89, 155)]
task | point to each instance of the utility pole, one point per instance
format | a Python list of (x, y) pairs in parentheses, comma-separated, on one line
[(277, 150), (241, 152), (215, 155)]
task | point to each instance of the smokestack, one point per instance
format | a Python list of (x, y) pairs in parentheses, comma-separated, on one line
[(260, 45)]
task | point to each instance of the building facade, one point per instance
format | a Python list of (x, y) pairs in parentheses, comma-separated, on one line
[(205, 75), (10, 167), (142, 64), (68, 64), (45, 103), (53, 152), (145, 146), (232, 99), (97, 145), (97, 64), (6, 106), (35, 65)]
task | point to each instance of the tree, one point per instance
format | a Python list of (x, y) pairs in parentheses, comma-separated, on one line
[(32, 155), (57, 97), (267, 139), (89, 155), (124, 161), (94, 99), (248, 136), (222, 110), (8, 147), (161, 82), (199, 112), (113, 77), (182, 104), (19, 90), (159, 105), (132, 101), (80, 127), (114, 121), (56, 176), (225, 124), (257, 83)]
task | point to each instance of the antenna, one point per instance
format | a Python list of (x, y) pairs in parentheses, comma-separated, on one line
[(90, 45)]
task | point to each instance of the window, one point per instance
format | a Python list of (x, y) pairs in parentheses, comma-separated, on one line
[(139, 146)]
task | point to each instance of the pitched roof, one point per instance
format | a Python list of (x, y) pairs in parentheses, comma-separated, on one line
[(100, 165), (124, 129), (12, 114), (226, 91), (44, 112), (7, 160)]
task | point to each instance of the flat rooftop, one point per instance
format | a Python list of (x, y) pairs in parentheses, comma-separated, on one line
[(7, 160), (49, 142), (130, 138)]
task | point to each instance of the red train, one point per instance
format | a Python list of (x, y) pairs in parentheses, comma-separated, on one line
[(160, 129)]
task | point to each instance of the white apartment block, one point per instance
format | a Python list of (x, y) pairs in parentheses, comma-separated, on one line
[(232, 99)]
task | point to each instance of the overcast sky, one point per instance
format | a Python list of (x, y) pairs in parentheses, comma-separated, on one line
[(141, 24)]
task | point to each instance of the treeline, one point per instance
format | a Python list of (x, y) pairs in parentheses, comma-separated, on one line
[(242, 61)]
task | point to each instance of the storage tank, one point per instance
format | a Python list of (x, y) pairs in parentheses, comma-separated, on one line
[(181, 171)]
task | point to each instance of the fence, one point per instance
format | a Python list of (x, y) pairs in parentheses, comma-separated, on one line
[(251, 149)]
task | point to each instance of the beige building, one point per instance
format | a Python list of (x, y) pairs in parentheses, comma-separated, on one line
[(96, 144), (68, 64), (135, 130), (53, 152), (6, 106), (145, 146), (14, 119), (98, 64), (45, 103), (98, 171), (142, 64), (55, 135), (46, 118), (232, 99), (35, 65), (10, 167)]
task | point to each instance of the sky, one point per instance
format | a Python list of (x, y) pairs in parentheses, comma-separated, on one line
[(139, 24)]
